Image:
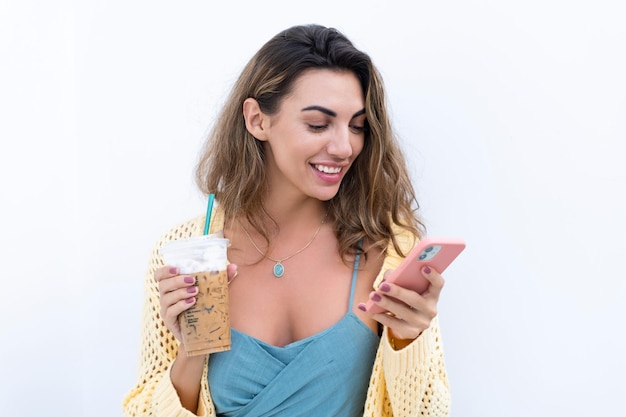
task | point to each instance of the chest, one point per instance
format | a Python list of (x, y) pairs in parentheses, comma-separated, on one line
[(313, 294)]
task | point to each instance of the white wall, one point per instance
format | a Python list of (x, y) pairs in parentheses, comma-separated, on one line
[(511, 112)]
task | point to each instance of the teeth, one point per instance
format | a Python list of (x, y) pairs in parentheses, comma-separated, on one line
[(328, 170)]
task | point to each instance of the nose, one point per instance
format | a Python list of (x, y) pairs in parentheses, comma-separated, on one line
[(339, 145)]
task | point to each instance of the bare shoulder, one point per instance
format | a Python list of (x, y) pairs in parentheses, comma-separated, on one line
[(371, 263), (374, 257)]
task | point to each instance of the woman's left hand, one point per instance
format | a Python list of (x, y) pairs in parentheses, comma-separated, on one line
[(408, 312)]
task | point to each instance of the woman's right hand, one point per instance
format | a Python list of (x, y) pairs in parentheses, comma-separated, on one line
[(176, 294)]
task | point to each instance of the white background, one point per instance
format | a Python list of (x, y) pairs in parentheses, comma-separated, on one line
[(512, 115)]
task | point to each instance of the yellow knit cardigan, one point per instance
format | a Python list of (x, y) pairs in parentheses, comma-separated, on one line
[(407, 382)]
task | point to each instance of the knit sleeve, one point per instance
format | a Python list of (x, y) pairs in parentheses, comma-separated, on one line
[(411, 381), (416, 379), (154, 394)]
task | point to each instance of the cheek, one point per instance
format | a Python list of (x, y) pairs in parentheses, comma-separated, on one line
[(357, 146)]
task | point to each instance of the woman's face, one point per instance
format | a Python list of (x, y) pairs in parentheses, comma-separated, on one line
[(316, 135)]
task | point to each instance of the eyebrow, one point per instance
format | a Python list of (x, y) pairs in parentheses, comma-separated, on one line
[(330, 112)]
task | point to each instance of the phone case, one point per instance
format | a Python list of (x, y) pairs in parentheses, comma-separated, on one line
[(438, 253)]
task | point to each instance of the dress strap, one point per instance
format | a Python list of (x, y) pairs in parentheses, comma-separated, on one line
[(354, 275)]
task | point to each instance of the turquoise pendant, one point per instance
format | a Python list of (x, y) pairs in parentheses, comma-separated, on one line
[(279, 270)]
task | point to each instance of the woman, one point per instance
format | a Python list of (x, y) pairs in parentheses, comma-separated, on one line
[(313, 193)]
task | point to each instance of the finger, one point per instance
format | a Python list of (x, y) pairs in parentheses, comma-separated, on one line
[(406, 322), (172, 298), (400, 328), (386, 274), (397, 301), (394, 296), (173, 304), (171, 284), (232, 271), (436, 281), (406, 305), (165, 272), (409, 323), (171, 313)]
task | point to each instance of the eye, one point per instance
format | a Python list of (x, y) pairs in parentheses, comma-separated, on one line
[(358, 129), (317, 128)]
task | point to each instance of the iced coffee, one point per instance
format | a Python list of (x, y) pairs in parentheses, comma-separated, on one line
[(205, 327)]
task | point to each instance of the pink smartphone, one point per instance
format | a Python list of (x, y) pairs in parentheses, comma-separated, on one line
[(437, 253)]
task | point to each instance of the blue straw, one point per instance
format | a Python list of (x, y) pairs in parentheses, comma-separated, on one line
[(209, 209)]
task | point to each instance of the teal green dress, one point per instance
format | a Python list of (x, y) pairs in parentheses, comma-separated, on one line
[(326, 374)]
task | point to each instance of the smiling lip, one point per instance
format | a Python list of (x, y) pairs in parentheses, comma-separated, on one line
[(326, 169), (330, 174)]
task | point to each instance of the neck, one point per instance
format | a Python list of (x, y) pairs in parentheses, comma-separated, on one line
[(292, 224), (297, 216), (288, 240)]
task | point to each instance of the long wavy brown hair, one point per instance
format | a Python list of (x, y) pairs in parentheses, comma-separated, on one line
[(375, 193)]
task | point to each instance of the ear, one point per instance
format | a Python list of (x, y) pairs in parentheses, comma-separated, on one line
[(256, 120)]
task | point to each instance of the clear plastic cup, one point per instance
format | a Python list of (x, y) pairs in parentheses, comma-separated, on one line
[(205, 327)]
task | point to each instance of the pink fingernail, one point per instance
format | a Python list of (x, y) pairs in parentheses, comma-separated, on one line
[(173, 270), (190, 280), (375, 297), (384, 287), (190, 300), (361, 307), (426, 270), (192, 290)]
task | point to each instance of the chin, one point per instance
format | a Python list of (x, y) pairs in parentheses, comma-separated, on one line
[(326, 195)]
